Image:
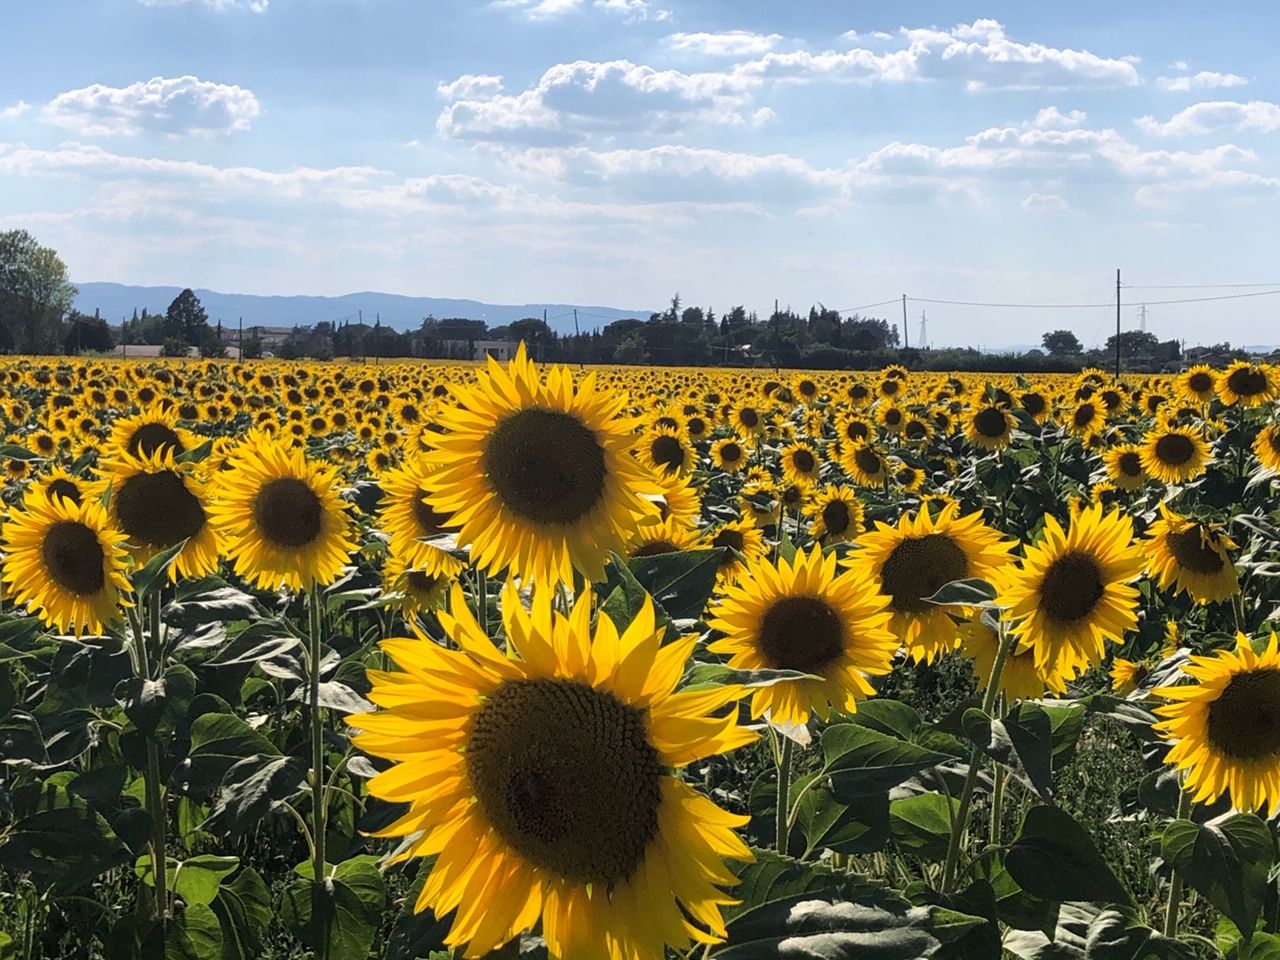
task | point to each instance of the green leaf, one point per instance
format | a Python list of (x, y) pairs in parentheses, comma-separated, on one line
[(1119, 935), (863, 762), (922, 824), (243, 907), (195, 880), (218, 742), (803, 926), (154, 572), (12, 451), (212, 601), (681, 583), (973, 592), (891, 717), (1054, 858), (353, 896), (1021, 740), (194, 935), (625, 596), (251, 788), (979, 900), (1226, 860), (719, 675), (773, 877), (261, 641), (860, 826), (62, 849), (155, 705)]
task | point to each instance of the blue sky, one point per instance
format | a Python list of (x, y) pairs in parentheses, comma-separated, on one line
[(616, 151)]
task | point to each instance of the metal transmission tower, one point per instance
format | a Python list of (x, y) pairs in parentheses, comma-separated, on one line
[(924, 331), (1142, 318)]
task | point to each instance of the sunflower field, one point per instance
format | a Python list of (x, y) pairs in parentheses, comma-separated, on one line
[(430, 660)]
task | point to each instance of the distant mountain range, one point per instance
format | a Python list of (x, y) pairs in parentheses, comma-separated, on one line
[(117, 301)]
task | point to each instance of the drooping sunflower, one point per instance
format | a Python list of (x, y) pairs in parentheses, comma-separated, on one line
[(157, 503), (678, 500), (864, 464), (989, 427), (1020, 677), (1191, 556), (410, 522), (1175, 454), (413, 589), (836, 514), (906, 476), (538, 474), (1124, 466), (1127, 676), (281, 517), (1266, 446), (801, 616), (65, 562), (800, 464), (541, 781), (1226, 726), (1247, 384), (1197, 384), (912, 561), (1071, 593), (729, 454)]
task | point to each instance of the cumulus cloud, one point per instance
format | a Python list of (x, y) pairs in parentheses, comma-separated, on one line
[(1213, 115), (550, 9), (471, 86), (1204, 80), (1051, 118), (1045, 203), (573, 99), (256, 6), (176, 106), (15, 110), (731, 43)]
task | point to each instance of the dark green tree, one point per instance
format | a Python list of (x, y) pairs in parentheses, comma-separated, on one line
[(87, 333), (1062, 343), (186, 319), (35, 294)]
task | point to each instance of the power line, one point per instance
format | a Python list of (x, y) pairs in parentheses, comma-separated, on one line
[(1019, 306), (1228, 296), (1194, 286), (868, 306)]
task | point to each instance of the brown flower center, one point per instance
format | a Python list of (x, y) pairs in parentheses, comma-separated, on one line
[(1071, 589), (545, 466), (1244, 722), (800, 633), (919, 567), (73, 556)]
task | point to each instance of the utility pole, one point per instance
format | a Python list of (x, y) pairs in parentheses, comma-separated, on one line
[(906, 343), (577, 335), (240, 351), (377, 330), (1117, 323)]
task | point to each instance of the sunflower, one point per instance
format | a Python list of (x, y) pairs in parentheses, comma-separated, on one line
[(538, 475), (906, 476), (541, 781), (413, 589), (854, 430), (742, 542), (410, 522), (281, 518), (60, 484), (1086, 419), (914, 560), (1175, 454), (989, 427), (1266, 446), (1124, 466), (801, 616), (1020, 678), (1247, 384), (917, 430), (157, 503), (664, 451), (1035, 404), (1197, 384), (864, 464), (729, 454), (1187, 555), (1226, 726), (63, 560), (746, 419), (890, 416), (1127, 676), (1072, 591), (669, 536), (678, 500), (800, 464), (151, 431), (836, 514)]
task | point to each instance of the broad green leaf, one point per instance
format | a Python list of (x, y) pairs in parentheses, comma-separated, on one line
[(964, 593), (922, 824), (859, 826), (680, 583), (261, 641), (1021, 740), (195, 934), (218, 742), (891, 717), (251, 788), (62, 849), (863, 762), (979, 900), (1227, 860), (772, 877), (353, 898), (195, 880), (154, 572), (1054, 858), (243, 908)]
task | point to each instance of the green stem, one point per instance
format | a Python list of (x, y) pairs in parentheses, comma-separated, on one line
[(784, 794), (482, 599), (971, 778), (1175, 885), (319, 869), (153, 795), (997, 805)]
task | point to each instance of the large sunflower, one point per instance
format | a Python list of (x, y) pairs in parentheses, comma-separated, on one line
[(541, 781), (1175, 454), (864, 464), (1192, 556), (989, 427), (836, 514), (63, 560), (158, 503), (911, 562), (664, 450), (1197, 383), (801, 616), (1266, 446), (800, 464), (538, 475), (409, 521), (281, 517), (152, 431), (1247, 384), (729, 454), (1072, 591), (1124, 466), (1226, 726)]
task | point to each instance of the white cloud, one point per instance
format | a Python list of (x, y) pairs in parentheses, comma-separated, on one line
[(1204, 80), (1045, 203), (979, 54), (1212, 115), (177, 106), (762, 116), (1051, 118), (13, 111), (573, 99), (471, 86), (631, 10), (256, 6), (731, 43)]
